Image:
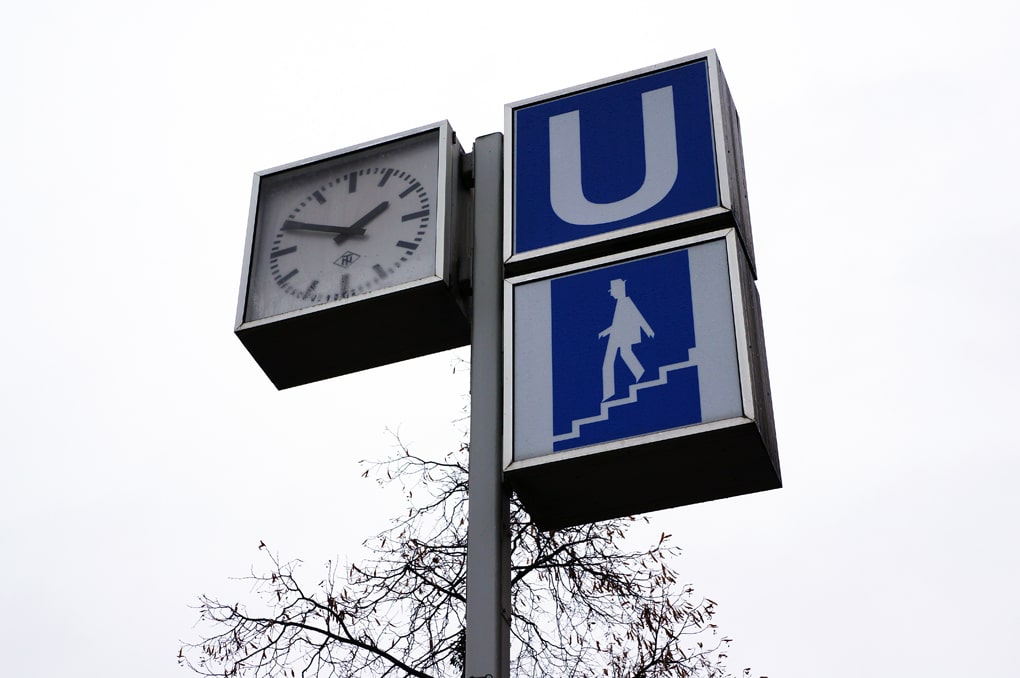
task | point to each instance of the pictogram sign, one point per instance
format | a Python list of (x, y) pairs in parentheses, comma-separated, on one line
[(632, 360)]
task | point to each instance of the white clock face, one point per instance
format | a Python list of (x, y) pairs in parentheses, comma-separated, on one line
[(344, 227)]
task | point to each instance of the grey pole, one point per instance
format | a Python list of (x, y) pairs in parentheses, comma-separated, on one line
[(488, 548)]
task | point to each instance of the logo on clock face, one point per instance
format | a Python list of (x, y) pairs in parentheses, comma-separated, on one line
[(346, 259)]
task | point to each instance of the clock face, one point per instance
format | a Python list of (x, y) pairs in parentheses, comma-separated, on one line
[(345, 226)]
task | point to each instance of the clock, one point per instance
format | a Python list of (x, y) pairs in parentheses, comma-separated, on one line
[(345, 226), (355, 252)]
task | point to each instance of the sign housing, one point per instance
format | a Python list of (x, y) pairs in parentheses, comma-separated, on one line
[(637, 382)]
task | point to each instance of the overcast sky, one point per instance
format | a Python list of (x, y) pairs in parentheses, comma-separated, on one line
[(145, 455)]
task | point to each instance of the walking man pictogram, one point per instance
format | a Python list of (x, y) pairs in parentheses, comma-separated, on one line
[(628, 323)]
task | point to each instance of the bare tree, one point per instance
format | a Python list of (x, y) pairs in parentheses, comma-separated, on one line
[(582, 604)]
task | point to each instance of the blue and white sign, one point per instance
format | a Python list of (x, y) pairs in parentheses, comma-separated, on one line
[(624, 349), (631, 152), (634, 348)]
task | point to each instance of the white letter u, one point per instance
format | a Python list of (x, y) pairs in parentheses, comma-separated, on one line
[(565, 188)]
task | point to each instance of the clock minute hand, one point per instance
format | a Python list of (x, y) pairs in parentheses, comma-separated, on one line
[(291, 225), (358, 227)]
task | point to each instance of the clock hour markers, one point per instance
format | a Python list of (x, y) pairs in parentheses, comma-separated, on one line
[(345, 285), (319, 198), (310, 292), (379, 271), (287, 277), (404, 245), (407, 191), (386, 177), (352, 182), (280, 253), (415, 215)]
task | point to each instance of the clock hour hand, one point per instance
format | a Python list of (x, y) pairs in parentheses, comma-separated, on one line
[(291, 225), (358, 227)]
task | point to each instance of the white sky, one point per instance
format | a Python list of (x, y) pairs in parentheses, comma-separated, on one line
[(143, 455)]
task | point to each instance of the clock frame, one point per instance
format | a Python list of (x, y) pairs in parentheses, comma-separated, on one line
[(335, 280)]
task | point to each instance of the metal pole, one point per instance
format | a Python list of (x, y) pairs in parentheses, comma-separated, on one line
[(488, 552)]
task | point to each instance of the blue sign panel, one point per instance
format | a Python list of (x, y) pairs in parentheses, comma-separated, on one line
[(624, 350), (624, 154), (644, 354)]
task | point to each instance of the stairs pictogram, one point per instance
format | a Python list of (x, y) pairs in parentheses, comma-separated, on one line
[(631, 397)]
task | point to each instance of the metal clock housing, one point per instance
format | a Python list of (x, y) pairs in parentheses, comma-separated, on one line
[(351, 258)]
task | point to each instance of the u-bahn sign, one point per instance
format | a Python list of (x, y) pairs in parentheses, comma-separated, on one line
[(638, 382), (639, 158), (634, 355)]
